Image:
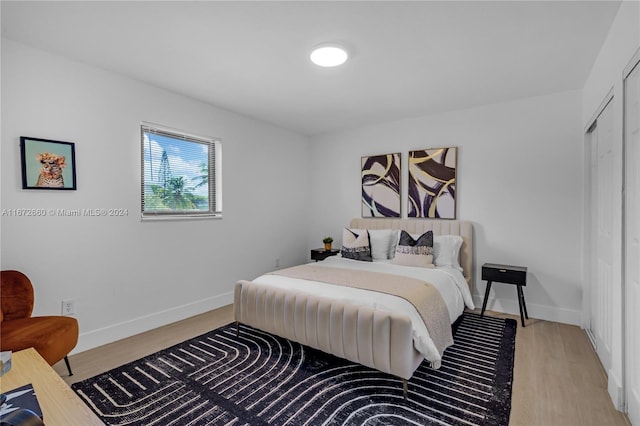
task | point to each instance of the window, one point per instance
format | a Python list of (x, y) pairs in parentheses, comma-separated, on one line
[(181, 174)]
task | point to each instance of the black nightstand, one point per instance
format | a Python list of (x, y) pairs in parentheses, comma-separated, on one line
[(322, 254), (509, 275)]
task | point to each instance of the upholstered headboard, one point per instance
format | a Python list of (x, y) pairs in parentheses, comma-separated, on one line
[(439, 227)]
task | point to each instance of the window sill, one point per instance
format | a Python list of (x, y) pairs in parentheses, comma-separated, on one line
[(164, 217)]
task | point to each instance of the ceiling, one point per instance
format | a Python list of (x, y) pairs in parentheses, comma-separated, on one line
[(408, 59)]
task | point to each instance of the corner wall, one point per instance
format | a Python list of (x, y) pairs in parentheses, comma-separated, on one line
[(125, 275), (519, 182)]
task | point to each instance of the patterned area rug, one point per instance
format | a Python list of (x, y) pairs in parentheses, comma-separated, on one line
[(259, 379)]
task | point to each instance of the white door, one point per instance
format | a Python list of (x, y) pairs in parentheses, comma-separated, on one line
[(632, 243), (601, 282)]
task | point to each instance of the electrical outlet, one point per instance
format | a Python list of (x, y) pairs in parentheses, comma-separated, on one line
[(68, 307), (277, 263)]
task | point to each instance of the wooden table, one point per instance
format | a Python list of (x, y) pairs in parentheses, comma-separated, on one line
[(60, 405)]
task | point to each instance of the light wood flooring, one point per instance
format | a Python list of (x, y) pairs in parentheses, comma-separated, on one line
[(558, 379)]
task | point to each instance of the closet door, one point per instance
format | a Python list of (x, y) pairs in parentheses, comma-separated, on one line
[(601, 282), (632, 242)]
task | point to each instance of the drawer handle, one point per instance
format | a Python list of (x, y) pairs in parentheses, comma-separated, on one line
[(502, 270)]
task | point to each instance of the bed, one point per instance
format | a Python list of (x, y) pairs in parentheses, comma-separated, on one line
[(380, 331)]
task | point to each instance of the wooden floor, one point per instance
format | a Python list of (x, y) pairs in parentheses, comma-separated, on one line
[(557, 379)]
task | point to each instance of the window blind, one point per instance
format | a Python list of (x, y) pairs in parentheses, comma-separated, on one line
[(180, 173)]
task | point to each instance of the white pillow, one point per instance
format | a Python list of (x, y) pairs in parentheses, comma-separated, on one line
[(382, 241), (395, 237), (446, 250)]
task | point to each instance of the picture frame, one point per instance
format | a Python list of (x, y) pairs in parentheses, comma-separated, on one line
[(380, 175), (47, 164), (432, 183)]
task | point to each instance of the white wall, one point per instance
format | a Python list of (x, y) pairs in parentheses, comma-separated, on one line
[(606, 76), (519, 182), (126, 275)]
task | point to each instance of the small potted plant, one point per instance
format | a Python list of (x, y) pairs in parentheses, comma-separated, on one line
[(327, 243)]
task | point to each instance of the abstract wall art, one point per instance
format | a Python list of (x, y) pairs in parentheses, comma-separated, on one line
[(432, 183), (381, 185)]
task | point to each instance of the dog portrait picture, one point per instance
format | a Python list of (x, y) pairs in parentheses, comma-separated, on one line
[(47, 164)]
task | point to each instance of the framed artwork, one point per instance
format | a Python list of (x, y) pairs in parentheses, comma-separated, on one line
[(432, 183), (47, 164), (381, 185)]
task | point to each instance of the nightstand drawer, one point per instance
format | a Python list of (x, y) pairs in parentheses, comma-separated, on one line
[(504, 273), (322, 254)]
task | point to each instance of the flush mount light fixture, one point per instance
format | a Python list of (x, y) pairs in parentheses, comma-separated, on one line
[(329, 55)]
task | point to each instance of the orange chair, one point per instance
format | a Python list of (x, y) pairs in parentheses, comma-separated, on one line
[(53, 337)]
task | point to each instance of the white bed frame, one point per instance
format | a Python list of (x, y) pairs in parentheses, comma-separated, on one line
[(377, 339)]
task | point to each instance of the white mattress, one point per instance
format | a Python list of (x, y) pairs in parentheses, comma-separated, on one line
[(449, 282)]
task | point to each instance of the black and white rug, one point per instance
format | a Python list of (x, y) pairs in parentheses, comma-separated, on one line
[(260, 379)]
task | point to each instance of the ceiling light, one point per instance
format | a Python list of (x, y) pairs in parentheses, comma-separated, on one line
[(329, 55)]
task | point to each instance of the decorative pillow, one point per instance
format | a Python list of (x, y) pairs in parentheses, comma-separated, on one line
[(446, 251), (381, 242), (356, 245), (415, 252)]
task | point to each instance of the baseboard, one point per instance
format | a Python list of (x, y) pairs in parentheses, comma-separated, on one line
[(102, 336), (544, 312), (614, 387)]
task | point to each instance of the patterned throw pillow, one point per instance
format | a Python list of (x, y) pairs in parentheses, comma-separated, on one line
[(356, 246), (415, 252)]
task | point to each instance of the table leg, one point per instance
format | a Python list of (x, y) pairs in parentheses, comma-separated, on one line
[(524, 304), (486, 296), (520, 301)]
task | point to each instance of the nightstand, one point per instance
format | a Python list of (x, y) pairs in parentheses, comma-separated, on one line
[(322, 254), (506, 274)]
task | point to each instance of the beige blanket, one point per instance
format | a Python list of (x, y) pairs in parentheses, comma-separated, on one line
[(422, 295)]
